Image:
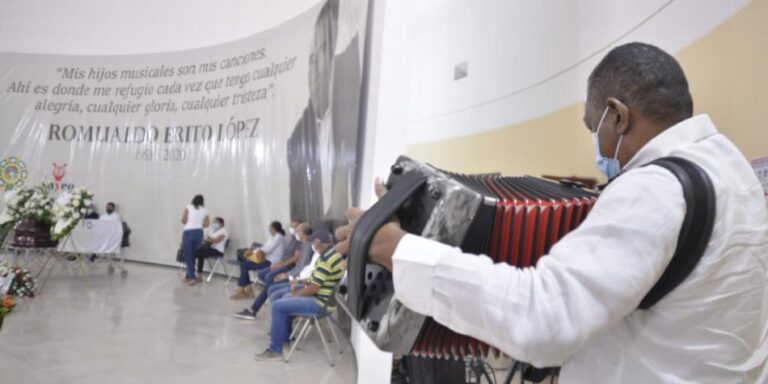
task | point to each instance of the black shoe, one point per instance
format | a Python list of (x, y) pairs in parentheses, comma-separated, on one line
[(245, 314), (268, 355)]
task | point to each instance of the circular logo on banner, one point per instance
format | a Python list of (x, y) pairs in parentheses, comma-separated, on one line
[(13, 173)]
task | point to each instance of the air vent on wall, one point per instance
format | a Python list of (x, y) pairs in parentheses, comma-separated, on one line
[(460, 71)]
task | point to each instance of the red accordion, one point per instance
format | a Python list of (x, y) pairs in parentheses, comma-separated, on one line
[(514, 220)]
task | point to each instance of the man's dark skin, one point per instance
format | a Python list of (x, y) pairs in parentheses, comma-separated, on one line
[(637, 130)]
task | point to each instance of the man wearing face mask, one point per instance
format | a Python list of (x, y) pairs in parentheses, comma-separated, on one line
[(279, 278), (577, 308), (213, 245), (314, 298)]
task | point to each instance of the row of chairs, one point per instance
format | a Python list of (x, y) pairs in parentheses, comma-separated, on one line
[(303, 325)]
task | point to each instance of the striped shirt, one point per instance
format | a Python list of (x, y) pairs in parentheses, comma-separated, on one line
[(327, 275)]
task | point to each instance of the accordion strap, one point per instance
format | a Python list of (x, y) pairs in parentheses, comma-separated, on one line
[(696, 230), (367, 226)]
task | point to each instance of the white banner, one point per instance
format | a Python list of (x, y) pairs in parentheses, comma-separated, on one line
[(265, 128)]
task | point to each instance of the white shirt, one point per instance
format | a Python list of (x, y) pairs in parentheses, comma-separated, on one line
[(114, 216), (306, 272), (215, 234), (195, 217), (577, 307), (273, 248)]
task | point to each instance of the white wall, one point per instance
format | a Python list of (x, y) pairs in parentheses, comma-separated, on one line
[(529, 58), (386, 129)]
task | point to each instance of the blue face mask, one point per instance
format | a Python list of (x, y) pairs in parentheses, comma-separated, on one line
[(609, 167)]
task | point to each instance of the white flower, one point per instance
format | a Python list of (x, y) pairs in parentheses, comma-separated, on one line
[(63, 199), (59, 227)]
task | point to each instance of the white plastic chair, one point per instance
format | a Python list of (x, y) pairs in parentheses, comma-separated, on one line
[(305, 325), (213, 265)]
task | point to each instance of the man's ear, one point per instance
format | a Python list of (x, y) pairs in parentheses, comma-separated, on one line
[(620, 117)]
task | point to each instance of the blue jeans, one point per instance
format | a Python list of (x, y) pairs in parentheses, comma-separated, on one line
[(191, 241), (277, 291), (268, 277), (245, 266), (282, 312)]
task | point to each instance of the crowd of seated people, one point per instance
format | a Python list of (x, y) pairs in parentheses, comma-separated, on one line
[(282, 277), (312, 296), (299, 270), (299, 281)]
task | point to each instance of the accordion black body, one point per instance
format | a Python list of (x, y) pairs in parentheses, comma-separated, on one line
[(514, 220)]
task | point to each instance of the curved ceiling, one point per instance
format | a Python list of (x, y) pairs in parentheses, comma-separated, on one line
[(97, 27)]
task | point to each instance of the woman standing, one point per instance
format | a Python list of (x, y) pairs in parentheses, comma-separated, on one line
[(260, 258), (195, 218)]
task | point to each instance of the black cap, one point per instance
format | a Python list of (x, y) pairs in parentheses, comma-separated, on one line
[(322, 235)]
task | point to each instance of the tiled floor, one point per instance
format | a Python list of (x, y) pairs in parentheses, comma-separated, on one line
[(148, 328)]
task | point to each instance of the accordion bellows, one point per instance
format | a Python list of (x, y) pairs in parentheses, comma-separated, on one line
[(514, 220)]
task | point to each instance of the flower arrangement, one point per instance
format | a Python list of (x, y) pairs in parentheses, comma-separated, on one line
[(35, 203), (62, 213), (68, 209), (16, 281)]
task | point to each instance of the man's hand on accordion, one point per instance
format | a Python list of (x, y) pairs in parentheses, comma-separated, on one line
[(384, 242)]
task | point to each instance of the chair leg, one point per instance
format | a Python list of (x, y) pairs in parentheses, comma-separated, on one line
[(213, 268), (224, 266), (229, 276), (302, 334), (325, 343), (333, 334), (306, 336), (297, 327)]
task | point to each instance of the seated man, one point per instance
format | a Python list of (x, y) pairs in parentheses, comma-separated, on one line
[(313, 299), (213, 245), (280, 278), (293, 282), (110, 213)]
